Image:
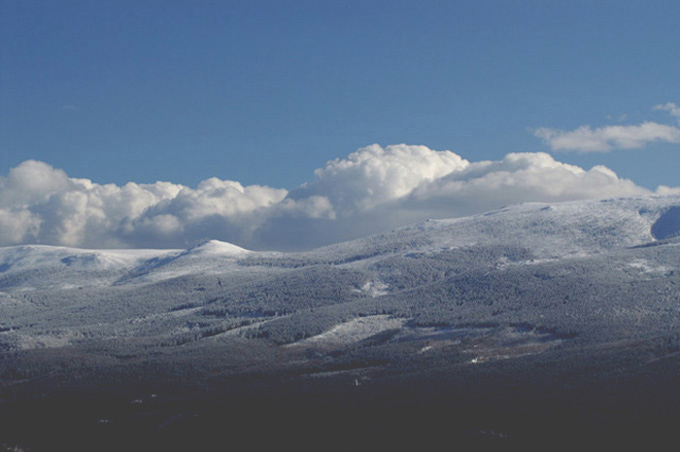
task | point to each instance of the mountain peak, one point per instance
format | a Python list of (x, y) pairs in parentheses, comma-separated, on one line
[(217, 248)]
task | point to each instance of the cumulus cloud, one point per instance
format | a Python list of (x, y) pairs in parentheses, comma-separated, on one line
[(526, 177), (371, 190), (607, 138), (460, 188), (31, 182), (41, 204), (374, 175)]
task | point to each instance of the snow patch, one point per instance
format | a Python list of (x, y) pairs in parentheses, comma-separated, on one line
[(353, 331), (373, 289), (512, 342), (48, 340), (646, 267)]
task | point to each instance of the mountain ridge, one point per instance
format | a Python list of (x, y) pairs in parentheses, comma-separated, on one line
[(552, 230)]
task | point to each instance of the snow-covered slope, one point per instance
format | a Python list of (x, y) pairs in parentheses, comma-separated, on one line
[(32, 257), (475, 269), (209, 257), (215, 248), (551, 231), (39, 267)]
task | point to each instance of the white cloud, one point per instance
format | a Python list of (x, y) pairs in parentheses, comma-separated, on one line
[(607, 138), (671, 108), (665, 190), (18, 226), (31, 182), (463, 188), (371, 190), (604, 139), (41, 204), (374, 175), (525, 177)]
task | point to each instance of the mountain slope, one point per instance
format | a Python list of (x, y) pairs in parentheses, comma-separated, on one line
[(575, 298)]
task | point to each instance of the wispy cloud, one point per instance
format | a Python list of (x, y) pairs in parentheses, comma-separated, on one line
[(608, 138), (670, 107), (373, 189), (605, 139)]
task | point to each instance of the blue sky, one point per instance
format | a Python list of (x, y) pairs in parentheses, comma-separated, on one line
[(265, 92), (268, 92)]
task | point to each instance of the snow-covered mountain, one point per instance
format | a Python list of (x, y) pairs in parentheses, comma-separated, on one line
[(588, 288), (62, 292), (551, 231)]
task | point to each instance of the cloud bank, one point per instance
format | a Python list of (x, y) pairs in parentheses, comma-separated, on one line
[(371, 190), (605, 139)]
